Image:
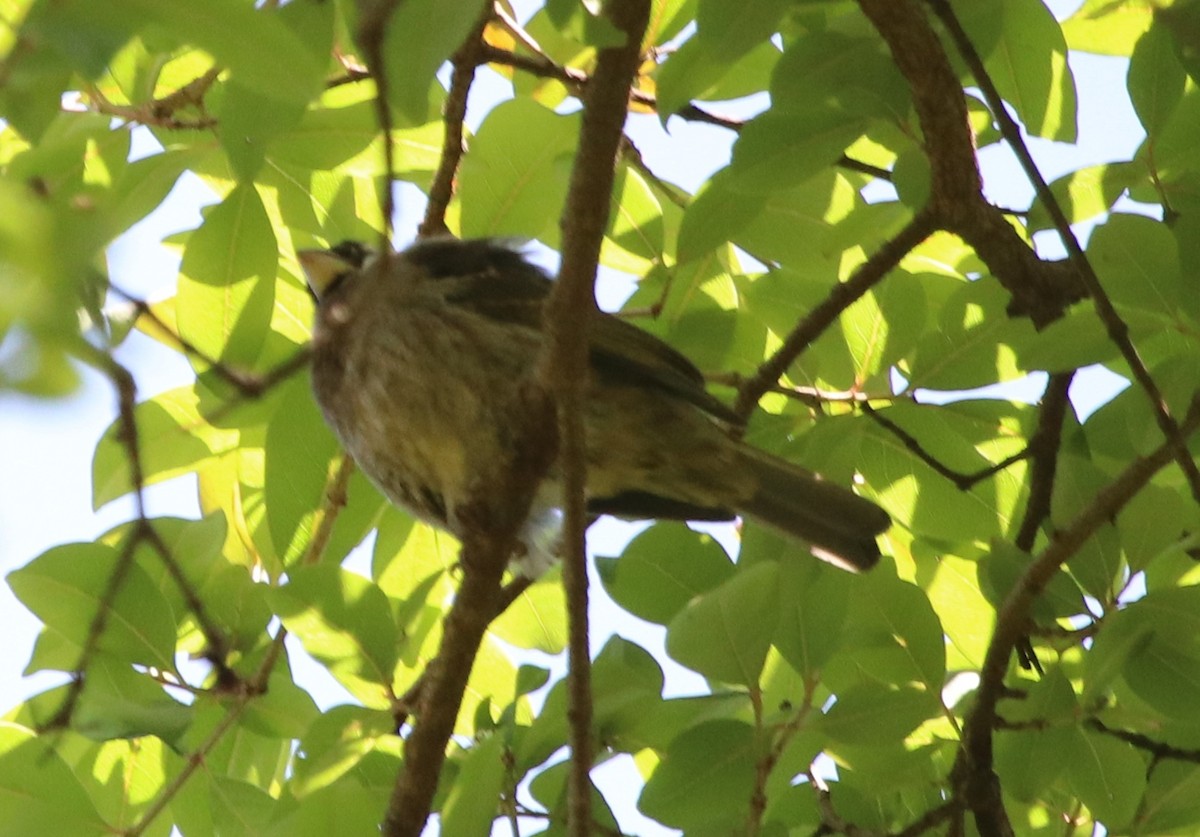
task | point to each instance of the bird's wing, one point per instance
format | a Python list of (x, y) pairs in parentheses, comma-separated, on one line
[(491, 278)]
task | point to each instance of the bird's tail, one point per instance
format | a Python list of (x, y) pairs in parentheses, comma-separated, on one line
[(840, 525)]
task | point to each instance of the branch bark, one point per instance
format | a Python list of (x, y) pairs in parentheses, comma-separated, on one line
[(974, 778), (569, 311)]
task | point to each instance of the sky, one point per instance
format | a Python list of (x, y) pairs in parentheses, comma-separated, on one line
[(46, 446)]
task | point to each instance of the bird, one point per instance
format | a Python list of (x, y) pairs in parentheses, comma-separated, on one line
[(417, 361)]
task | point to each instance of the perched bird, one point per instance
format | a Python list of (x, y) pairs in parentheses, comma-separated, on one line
[(416, 368)]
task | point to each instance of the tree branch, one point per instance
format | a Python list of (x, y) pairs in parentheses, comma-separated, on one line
[(465, 61), (142, 532), (1117, 329), (372, 31), (1039, 290), (868, 274), (973, 773), (564, 364), (1043, 449)]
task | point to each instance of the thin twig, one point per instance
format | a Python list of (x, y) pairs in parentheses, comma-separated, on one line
[(973, 768), (254, 687), (372, 31), (405, 704), (1144, 742), (334, 500), (161, 112), (142, 532), (961, 481), (1040, 290), (840, 297), (1043, 450), (249, 384), (464, 61)]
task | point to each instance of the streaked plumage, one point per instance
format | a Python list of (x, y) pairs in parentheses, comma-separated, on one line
[(415, 370)]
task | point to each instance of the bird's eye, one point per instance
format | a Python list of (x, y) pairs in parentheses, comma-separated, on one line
[(352, 252)]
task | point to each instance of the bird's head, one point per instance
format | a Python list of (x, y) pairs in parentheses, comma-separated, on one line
[(327, 269)]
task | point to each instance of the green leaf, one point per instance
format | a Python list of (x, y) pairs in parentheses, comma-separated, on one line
[(336, 743), (39, 793), (121, 703), (298, 454), (1044, 703), (1108, 775), (901, 639), (285, 711), (1028, 65), (781, 148), (420, 37), (725, 633), (227, 280), (144, 184), (1076, 340), (923, 499), (346, 808), (966, 616), (717, 213), (258, 46), (1180, 20), (1107, 28), (626, 688), (704, 779), (1172, 800), (344, 137), (1167, 677), (1085, 193), (854, 75), (1029, 761), (635, 224), (83, 34), (801, 227), (1137, 261), (537, 620), (1004, 566), (871, 714), (1150, 524), (173, 439), (250, 120), (345, 622), (1172, 154), (239, 809), (509, 185), (663, 569), (472, 802), (971, 345), (1156, 78), (549, 787), (65, 586), (814, 603), (725, 33)]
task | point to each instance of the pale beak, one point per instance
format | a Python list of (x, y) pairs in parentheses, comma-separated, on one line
[(322, 268)]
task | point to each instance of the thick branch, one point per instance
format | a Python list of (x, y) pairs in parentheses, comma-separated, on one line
[(1118, 331), (956, 198)]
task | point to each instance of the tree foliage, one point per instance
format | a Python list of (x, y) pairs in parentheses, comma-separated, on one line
[(839, 275)]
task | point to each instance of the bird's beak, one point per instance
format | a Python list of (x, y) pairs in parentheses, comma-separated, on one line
[(322, 268)]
